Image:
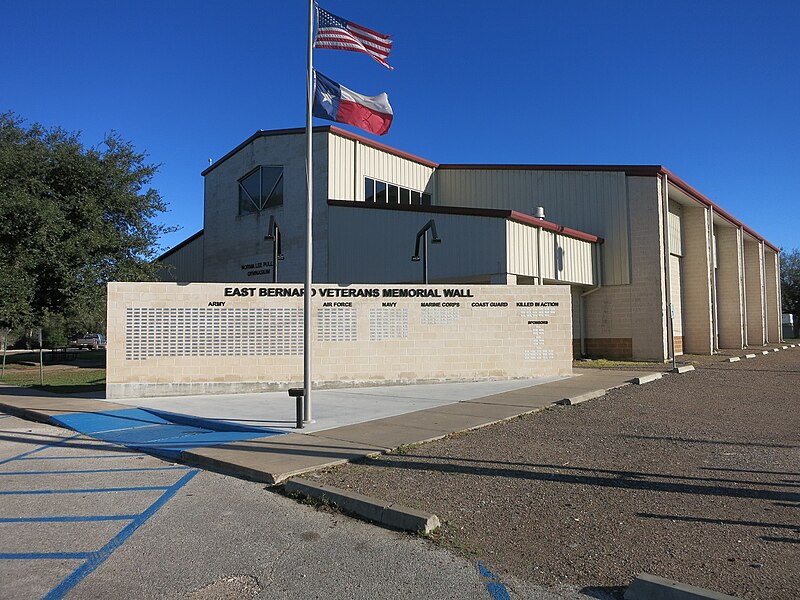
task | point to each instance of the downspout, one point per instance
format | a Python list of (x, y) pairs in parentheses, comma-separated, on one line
[(780, 297), (581, 303), (714, 314), (764, 307), (667, 274), (357, 181), (745, 332), (539, 254)]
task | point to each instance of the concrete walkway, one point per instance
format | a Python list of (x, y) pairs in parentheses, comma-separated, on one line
[(350, 423)]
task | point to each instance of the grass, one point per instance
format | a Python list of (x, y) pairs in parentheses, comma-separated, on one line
[(26, 358), (604, 363), (68, 381)]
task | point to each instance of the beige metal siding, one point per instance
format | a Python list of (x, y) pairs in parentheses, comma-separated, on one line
[(349, 162), (675, 232), (592, 201), (521, 249), (341, 169), (185, 264), (574, 260)]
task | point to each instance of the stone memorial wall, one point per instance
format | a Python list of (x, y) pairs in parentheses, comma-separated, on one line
[(169, 339)]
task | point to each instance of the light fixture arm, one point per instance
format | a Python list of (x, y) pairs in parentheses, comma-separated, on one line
[(422, 235), (274, 235)]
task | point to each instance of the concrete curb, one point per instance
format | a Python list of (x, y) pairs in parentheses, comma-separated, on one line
[(652, 587), (733, 359), (749, 355), (581, 398), (387, 514), (683, 369), (765, 352), (647, 378)]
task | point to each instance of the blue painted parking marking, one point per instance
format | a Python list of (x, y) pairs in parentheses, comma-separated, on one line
[(110, 420), (44, 555), (97, 558), (67, 519), (143, 488), (39, 449), (92, 559), (79, 471), (120, 454), (160, 433), (492, 582)]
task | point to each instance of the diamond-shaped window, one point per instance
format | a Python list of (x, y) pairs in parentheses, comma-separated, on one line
[(260, 189)]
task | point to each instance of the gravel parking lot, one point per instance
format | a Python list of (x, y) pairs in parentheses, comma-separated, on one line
[(695, 477)]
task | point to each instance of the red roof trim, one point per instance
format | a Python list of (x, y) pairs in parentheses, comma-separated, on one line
[(382, 147), (511, 215), (627, 169), (322, 129), (701, 199)]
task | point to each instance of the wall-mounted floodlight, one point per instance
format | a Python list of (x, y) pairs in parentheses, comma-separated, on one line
[(274, 236), (435, 239)]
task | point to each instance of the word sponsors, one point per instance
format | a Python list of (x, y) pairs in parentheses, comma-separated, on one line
[(287, 292)]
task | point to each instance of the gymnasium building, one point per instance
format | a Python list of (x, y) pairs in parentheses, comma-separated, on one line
[(651, 263)]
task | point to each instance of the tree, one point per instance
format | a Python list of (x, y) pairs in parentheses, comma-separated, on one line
[(71, 219), (790, 286)]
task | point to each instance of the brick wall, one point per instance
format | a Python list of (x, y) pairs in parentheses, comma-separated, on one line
[(730, 310), (696, 282), (647, 290), (754, 276), (612, 348), (169, 339), (773, 301)]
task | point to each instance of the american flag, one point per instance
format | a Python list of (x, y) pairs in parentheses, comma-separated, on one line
[(339, 34)]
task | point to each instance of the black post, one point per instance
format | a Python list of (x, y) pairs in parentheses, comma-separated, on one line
[(425, 258), (299, 417), (274, 234)]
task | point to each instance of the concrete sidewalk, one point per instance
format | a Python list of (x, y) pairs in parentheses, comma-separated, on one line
[(351, 423)]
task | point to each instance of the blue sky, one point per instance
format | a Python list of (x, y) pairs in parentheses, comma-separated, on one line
[(709, 89)]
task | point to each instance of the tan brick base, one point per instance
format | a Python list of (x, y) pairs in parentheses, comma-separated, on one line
[(678, 344), (614, 348)]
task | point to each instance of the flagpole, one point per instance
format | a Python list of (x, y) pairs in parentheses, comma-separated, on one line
[(309, 206)]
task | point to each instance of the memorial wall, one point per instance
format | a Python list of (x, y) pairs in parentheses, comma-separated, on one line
[(167, 339)]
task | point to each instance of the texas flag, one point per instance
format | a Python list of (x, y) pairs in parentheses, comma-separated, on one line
[(335, 102)]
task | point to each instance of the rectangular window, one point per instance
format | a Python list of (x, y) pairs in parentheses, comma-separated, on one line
[(369, 190), (380, 192)]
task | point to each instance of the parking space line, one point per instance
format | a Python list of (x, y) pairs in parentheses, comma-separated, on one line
[(121, 454), (144, 488), (97, 558), (92, 559), (45, 555), (67, 519), (78, 471), (39, 449)]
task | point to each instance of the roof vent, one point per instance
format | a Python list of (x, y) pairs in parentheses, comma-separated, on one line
[(539, 212)]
